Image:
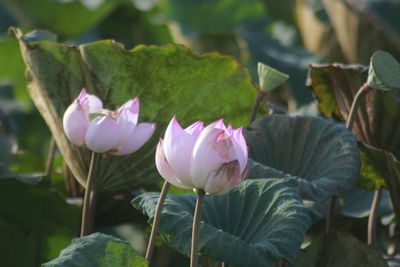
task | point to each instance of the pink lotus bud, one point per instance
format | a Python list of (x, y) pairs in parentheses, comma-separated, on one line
[(103, 134), (212, 158), (76, 117)]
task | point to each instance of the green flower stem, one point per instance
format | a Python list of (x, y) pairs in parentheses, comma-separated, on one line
[(372, 217), (156, 222), (354, 106), (194, 254), (258, 101), (88, 200)]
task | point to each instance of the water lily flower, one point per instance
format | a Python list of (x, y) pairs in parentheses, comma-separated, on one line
[(212, 158), (101, 130)]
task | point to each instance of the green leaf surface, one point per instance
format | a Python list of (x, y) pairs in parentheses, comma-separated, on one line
[(166, 79), (98, 250), (255, 224), (221, 15), (55, 15), (319, 155), (344, 250), (384, 72)]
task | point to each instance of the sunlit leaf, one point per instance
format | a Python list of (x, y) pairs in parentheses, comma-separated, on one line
[(255, 224), (166, 79), (98, 250), (319, 155)]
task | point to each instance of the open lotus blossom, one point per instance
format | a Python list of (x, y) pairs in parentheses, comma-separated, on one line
[(117, 132), (212, 158)]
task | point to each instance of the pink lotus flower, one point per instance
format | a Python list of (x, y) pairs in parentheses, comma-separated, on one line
[(117, 132), (212, 158)]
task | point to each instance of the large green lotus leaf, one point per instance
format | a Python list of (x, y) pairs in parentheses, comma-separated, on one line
[(55, 15), (377, 118), (255, 224), (98, 250), (170, 80), (319, 155), (221, 15), (364, 26), (345, 250)]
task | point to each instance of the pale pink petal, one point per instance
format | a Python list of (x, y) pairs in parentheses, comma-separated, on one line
[(219, 124), (195, 128), (103, 134), (178, 146), (75, 123), (240, 148), (136, 139), (164, 169), (95, 104), (127, 127), (223, 178), (133, 107), (212, 148)]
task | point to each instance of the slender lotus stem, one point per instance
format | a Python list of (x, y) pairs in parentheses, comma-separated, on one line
[(156, 222), (194, 254), (87, 223), (50, 159), (372, 216), (328, 230), (259, 99), (354, 106)]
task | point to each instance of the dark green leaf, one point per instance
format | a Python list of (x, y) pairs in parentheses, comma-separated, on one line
[(34, 220), (345, 250), (165, 79), (255, 224), (319, 155), (98, 250)]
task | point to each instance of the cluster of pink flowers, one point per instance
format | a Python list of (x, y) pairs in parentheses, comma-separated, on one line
[(212, 158)]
